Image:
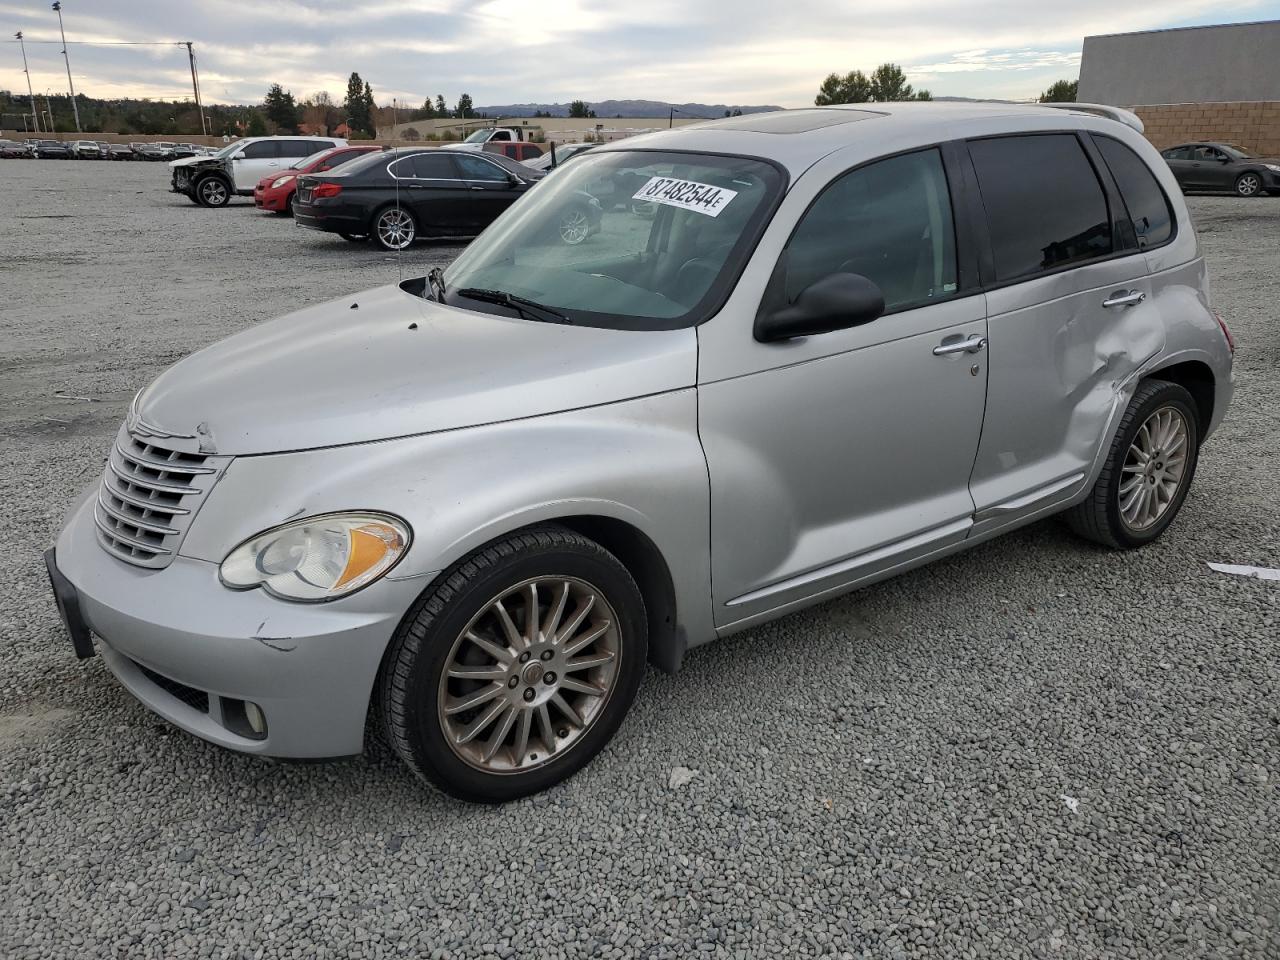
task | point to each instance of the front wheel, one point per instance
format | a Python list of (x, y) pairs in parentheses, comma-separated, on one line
[(516, 668), (1248, 185), (394, 228), (1148, 470), (574, 226), (213, 192)]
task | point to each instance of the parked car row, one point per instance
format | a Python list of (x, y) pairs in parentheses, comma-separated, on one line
[(1223, 166), (36, 148), (390, 197)]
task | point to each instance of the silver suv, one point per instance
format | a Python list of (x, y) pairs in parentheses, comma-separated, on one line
[(806, 351)]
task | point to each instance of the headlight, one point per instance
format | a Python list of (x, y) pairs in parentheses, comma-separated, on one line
[(281, 181), (1273, 167), (319, 558)]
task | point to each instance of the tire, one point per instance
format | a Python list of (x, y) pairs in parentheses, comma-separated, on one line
[(1105, 515), (1248, 184), (509, 756), (290, 209), (213, 192), (194, 199), (354, 237), (391, 222)]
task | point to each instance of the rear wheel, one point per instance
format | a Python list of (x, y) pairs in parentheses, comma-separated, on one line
[(213, 192), (394, 228), (1248, 185), (516, 668), (1148, 471)]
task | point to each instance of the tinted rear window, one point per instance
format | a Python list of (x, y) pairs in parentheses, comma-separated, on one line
[(1045, 206), (1148, 206)]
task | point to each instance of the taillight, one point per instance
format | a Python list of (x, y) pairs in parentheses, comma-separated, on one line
[(326, 190), (1231, 341)]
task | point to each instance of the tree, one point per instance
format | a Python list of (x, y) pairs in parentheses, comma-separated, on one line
[(281, 109), (442, 109), (464, 111), (320, 113), (579, 108), (370, 111), (257, 127), (1061, 91), (411, 134), (356, 106), (853, 87), (887, 83)]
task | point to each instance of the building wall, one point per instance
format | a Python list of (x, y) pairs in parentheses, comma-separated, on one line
[(1253, 125), (1231, 62)]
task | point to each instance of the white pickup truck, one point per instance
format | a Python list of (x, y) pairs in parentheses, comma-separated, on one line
[(494, 135)]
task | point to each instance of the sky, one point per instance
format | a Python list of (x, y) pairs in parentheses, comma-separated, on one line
[(518, 51)]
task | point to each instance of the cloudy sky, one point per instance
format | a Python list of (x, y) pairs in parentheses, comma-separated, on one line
[(505, 51)]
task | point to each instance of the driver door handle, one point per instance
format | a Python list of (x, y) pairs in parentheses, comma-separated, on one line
[(969, 345), (1123, 298)]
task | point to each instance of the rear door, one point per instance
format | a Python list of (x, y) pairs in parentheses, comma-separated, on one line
[(1179, 160), (433, 190), (1068, 314), (490, 187)]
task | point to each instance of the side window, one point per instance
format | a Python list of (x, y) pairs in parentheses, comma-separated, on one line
[(338, 159), (889, 221), (433, 166), (262, 150), (315, 146), (1178, 153), (1147, 204), (1045, 206), (296, 148), (475, 168)]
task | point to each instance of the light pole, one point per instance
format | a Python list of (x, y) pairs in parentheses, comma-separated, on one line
[(30, 93), (57, 8)]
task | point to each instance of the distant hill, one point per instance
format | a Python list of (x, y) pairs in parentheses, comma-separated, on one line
[(623, 108)]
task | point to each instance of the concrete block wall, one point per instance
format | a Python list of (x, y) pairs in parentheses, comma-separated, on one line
[(1254, 124)]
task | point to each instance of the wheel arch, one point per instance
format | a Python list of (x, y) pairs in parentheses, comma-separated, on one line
[(1196, 377)]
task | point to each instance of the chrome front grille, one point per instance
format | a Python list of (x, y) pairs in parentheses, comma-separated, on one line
[(148, 497)]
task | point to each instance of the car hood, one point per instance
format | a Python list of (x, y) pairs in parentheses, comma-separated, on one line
[(187, 161), (385, 363)]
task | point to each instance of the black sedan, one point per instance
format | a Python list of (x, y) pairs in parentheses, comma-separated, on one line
[(54, 149), (397, 196), (1222, 166)]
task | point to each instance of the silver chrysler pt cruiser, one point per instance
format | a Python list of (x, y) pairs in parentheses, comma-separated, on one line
[(805, 351)]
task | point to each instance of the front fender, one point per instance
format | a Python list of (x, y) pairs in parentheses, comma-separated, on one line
[(639, 462)]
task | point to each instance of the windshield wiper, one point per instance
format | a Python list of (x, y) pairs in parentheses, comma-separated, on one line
[(435, 283), (529, 309)]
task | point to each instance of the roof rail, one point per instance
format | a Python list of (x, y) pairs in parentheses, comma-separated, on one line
[(1127, 117)]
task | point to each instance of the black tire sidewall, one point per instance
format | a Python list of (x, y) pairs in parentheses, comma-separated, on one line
[(433, 757), (1167, 394)]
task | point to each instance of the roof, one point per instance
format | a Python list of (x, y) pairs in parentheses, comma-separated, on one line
[(799, 138), (1202, 26)]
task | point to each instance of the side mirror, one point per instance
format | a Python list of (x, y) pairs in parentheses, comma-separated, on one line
[(237, 156), (836, 302)]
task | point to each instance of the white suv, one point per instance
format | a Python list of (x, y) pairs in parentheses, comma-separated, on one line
[(210, 181)]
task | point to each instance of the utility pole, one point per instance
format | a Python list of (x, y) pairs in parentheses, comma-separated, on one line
[(57, 8), (195, 86), (30, 92)]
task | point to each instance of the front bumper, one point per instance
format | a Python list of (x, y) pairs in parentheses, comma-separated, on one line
[(276, 201), (196, 653)]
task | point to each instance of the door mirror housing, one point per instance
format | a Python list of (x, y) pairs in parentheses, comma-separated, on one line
[(836, 302)]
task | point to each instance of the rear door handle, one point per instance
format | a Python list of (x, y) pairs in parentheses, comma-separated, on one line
[(970, 345), (1123, 298)]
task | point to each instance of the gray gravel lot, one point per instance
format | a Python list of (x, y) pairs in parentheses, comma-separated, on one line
[(1036, 749)]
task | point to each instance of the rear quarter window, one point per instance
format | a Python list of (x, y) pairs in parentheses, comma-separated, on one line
[(1148, 206), (1045, 205)]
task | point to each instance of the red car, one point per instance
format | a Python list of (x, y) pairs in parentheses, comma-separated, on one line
[(275, 192)]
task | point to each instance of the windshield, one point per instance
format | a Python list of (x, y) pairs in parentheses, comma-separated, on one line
[(226, 151), (480, 136), (1238, 151), (563, 155), (633, 240)]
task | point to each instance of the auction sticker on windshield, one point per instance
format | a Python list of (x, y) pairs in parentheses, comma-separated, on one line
[(686, 194)]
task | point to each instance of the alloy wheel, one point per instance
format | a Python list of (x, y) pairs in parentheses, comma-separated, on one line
[(529, 675), (1248, 184), (395, 229), (574, 227), (1154, 468), (213, 193)]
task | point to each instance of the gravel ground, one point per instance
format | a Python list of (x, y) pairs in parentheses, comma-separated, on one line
[(1036, 749)]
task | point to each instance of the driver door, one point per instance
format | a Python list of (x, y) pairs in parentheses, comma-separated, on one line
[(837, 458)]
